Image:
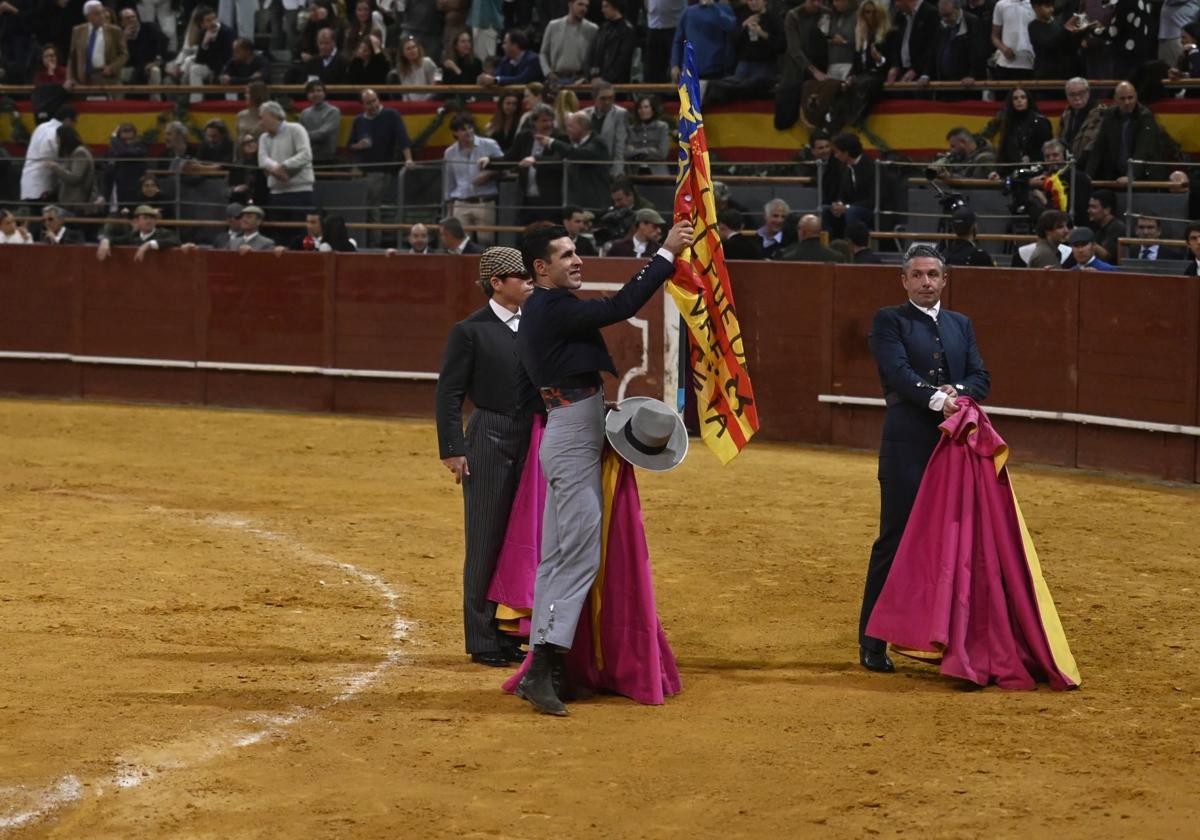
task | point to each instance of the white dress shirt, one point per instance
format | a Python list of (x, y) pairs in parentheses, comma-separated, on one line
[(98, 50), (512, 320), (461, 167), (37, 178)]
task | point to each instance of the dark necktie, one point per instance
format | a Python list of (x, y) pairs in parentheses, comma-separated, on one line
[(91, 47), (1146, 252)]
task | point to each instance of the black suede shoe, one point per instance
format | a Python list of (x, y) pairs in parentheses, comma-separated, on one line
[(492, 658), (877, 661), (536, 686)]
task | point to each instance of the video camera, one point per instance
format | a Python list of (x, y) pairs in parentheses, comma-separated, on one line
[(950, 201), (1021, 202)]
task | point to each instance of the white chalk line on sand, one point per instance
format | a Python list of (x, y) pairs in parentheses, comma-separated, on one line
[(33, 805)]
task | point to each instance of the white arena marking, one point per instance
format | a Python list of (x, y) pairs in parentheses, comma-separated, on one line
[(22, 806)]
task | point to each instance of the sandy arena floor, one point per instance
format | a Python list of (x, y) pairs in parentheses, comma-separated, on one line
[(239, 625)]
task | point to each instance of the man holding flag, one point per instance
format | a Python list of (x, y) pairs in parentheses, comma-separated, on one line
[(564, 354), (701, 289)]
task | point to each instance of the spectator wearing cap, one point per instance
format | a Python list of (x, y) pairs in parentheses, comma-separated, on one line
[(322, 121), (1104, 223), (145, 234), (963, 250), (98, 49), (860, 244), (734, 243), (226, 239), (55, 230), (647, 233), (285, 154), (454, 237), (481, 364), (250, 239), (807, 247), (1083, 251)]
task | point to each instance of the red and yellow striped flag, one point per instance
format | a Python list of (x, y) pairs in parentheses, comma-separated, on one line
[(701, 290)]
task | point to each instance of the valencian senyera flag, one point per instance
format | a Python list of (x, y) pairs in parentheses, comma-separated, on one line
[(701, 290)]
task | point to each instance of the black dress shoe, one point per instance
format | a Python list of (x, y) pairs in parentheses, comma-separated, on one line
[(876, 660), (492, 658), (513, 654)]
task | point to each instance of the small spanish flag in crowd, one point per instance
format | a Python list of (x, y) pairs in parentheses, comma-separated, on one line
[(724, 397), (1057, 197)]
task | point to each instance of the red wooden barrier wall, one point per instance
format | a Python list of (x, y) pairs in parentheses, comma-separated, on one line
[(1107, 344)]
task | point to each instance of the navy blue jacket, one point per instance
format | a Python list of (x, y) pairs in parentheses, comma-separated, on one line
[(904, 341), (560, 333), (528, 68)]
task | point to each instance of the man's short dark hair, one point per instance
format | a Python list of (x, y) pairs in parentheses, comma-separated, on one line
[(622, 184), (1193, 227), (535, 245), (858, 234), (570, 210), (848, 144), (732, 219), (1148, 218), (244, 43), (462, 121), (1106, 199), (1048, 221), (66, 113), (960, 131), (454, 226), (518, 37), (818, 134), (312, 85)]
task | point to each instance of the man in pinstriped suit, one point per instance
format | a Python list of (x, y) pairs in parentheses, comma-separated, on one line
[(481, 364)]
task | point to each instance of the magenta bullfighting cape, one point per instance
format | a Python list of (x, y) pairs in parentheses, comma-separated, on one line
[(966, 585), (620, 645)]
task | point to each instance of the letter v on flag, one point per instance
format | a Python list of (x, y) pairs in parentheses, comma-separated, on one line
[(701, 290)]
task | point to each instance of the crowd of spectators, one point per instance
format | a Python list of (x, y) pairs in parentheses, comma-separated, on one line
[(825, 62)]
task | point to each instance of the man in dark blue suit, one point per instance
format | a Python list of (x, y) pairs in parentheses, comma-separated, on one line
[(927, 359)]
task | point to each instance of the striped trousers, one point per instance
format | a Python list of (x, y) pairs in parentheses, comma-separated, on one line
[(496, 448)]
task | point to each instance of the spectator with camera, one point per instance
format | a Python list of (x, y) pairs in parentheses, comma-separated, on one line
[(968, 156)]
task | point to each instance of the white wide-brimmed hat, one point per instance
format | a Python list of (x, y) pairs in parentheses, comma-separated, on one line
[(647, 433)]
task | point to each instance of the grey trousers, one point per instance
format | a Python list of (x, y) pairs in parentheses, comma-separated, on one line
[(496, 449), (570, 457)]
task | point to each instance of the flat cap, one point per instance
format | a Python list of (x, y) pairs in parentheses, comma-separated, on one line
[(1080, 235), (145, 210), (501, 262), (649, 214), (255, 209)]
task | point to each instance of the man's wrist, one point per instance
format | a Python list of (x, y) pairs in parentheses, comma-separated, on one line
[(666, 254)]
